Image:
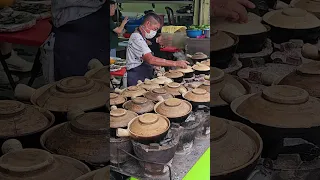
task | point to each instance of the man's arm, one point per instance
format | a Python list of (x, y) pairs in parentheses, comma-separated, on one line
[(149, 58), (119, 29)]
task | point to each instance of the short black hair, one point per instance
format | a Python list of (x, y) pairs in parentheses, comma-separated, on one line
[(151, 15), (111, 2)]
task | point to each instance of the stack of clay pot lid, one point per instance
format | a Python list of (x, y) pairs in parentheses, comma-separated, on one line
[(161, 80), (18, 119), (219, 80), (132, 91), (279, 106), (37, 164), (198, 57), (312, 6), (85, 137), (206, 62), (176, 76), (188, 72), (98, 71), (120, 117), (117, 99), (291, 18), (72, 92), (221, 40), (174, 88), (307, 77), (100, 174), (234, 147), (139, 105), (153, 94), (148, 84), (201, 69)]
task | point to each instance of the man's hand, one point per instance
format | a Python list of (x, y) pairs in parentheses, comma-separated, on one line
[(125, 21), (233, 9), (182, 64)]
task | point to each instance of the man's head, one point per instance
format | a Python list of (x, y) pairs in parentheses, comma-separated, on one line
[(151, 22), (113, 7)]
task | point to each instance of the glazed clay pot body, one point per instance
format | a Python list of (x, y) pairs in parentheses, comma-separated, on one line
[(22, 121), (85, 137), (37, 164), (236, 149)]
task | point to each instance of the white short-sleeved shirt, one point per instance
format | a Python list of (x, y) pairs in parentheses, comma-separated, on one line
[(137, 47)]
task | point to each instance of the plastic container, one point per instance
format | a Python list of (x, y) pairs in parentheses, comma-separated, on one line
[(194, 33)]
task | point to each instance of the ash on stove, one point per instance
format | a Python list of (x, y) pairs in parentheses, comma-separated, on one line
[(203, 116)]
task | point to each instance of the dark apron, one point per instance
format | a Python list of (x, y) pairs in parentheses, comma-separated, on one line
[(145, 70), (79, 41)]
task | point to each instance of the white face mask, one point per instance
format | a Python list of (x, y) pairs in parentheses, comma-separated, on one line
[(151, 34)]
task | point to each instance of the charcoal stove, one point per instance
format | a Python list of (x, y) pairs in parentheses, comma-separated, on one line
[(116, 155), (203, 116)]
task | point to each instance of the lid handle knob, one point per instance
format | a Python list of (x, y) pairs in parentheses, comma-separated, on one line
[(123, 132), (23, 92), (11, 145)]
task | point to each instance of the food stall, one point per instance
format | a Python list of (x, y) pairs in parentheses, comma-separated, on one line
[(265, 73)]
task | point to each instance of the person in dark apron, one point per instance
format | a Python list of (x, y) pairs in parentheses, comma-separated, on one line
[(140, 60), (79, 41)]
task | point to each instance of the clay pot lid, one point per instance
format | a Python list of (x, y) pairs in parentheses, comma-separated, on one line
[(220, 40), (18, 119), (120, 118), (148, 84), (197, 95), (153, 94), (26, 161), (174, 88), (216, 75), (63, 95), (174, 74), (206, 62), (140, 100), (139, 105), (97, 70), (92, 123), (116, 99), (173, 108), (133, 91), (159, 91), (291, 18), (186, 70), (100, 174), (309, 5), (162, 80), (253, 26), (149, 124), (233, 148), (311, 68), (199, 55), (279, 106), (173, 85), (201, 67)]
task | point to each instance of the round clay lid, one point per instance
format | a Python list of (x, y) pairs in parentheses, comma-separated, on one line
[(91, 123), (100, 174), (153, 95), (173, 108), (220, 40), (311, 68), (18, 119), (61, 96), (174, 74), (231, 147), (201, 67), (139, 105), (197, 95), (291, 18), (199, 55), (280, 106), (120, 118), (149, 85), (116, 99), (206, 62), (133, 91), (186, 70), (162, 80), (253, 26), (216, 75), (149, 125), (309, 5), (174, 88)]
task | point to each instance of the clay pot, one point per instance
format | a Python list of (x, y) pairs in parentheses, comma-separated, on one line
[(205, 85), (222, 48), (97, 71), (37, 164), (252, 35), (72, 92), (161, 80), (117, 100), (100, 174), (131, 91), (119, 118), (198, 57), (311, 6), (148, 85), (153, 94), (176, 76), (139, 105), (310, 51), (197, 97), (292, 23), (177, 110), (85, 137), (188, 72), (146, 128), (174, 89), (26, 122), (201, 69), (306, 77), (206, 62), (235, 149)]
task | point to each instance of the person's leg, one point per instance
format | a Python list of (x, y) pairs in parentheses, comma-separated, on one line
[(113, 52)]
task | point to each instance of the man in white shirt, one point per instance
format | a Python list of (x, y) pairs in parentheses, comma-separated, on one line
[(140, 60)]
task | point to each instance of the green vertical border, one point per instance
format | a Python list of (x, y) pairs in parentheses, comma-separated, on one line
[(200, 170)]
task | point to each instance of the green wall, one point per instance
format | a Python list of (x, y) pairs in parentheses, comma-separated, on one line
[(141, 7)]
